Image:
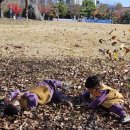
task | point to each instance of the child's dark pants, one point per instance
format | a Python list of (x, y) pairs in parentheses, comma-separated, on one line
[(118, 109)]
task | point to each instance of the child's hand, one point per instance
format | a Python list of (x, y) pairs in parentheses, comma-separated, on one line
[(66, 86), (15, 103), (84, 104), (18, 97)]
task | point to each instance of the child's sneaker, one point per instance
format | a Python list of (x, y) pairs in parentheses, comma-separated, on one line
[(125, 119)]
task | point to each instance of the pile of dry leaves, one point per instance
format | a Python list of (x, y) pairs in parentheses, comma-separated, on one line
[(22, 73)]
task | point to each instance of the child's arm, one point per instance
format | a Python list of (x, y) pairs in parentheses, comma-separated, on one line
[(86, 94), (97, 101), (82, 99), (55, 83), (52, 82), (11, 96)]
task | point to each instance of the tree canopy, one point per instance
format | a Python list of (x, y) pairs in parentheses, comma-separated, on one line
[(62, 9), (87, 8)]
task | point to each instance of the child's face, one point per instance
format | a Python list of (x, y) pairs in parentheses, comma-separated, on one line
[(94, 88), (23, 104)]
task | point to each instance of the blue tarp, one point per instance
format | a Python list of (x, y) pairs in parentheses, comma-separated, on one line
[(86, 20), (97, 20)]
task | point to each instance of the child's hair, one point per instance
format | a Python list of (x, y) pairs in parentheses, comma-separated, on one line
[(11, 110), (92, 82)]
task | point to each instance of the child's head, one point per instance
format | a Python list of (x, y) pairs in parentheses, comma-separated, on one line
[(92, 82), (11, 110), (28, 101)]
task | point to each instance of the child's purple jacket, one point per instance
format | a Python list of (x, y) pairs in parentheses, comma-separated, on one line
[(51, 83), (98, 100)]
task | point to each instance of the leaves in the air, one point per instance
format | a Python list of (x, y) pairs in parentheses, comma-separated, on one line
[(115, 54), (101, 40), (17, 47), (127, 50), (114, 43), (113, 37), (109, 54), (111, 32), (102, 51), (124, 32)]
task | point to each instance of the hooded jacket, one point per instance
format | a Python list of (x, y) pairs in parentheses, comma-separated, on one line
[(113, 97)]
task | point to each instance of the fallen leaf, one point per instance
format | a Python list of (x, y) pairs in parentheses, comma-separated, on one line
[(19, 47), (102, 51), (100, 40), (111, 32), (113, 37), (110, 55), (127, 50), (114, 43), (115, 54)]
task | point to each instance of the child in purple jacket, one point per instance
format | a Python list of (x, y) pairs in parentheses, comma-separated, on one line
[(105, 96), (42, 94)]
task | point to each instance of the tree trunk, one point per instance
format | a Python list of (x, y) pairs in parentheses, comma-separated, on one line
[(0, 7), (26, 8), (0, 10)]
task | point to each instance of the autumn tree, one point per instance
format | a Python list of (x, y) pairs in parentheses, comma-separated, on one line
[(47, 11), (117, 16), (74, 10), (126, 17), (118, 13), (62, 9), (16, 9), (87, 8), (102, 12), (118, 6)]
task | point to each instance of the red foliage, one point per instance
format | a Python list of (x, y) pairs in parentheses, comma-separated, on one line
[(45, 10), (15, 8), (118, 14)]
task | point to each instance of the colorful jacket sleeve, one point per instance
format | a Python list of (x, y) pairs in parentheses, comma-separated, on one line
[(52, 82), (14, 94), (86, 94), (11, 96), (98, 100)]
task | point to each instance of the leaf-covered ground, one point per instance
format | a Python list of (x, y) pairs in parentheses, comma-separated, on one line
[(21, 73), (21, 66)]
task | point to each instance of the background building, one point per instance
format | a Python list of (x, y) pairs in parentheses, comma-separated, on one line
[(44, 2), (96, 2)]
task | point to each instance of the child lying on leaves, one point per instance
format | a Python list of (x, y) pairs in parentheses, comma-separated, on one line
[(105, 96), (42, 94)]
